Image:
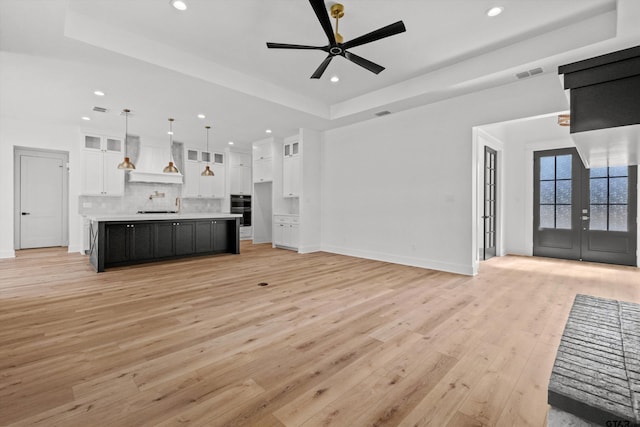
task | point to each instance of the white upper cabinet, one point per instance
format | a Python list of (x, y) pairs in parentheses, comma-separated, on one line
[(239, 173), (101, 156), (263, 162), (291, 173), (239, 159), (262, 151), (196, 185)]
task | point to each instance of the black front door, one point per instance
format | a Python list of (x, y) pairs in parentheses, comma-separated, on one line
[(583, 214)]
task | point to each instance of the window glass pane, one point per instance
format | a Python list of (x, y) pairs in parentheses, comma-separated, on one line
[(619, 171), (192, 155), (547, 192), (206, 157), (563, 195), (218, 158), (597, 172), (547, 216), (563, 167), (113, 144), (618, 218), (547, 167), (92, 142), (598, 217), (598, 190), (563, 217), (618, 190)]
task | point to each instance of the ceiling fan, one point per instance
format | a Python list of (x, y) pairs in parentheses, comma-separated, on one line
[(336, 47)]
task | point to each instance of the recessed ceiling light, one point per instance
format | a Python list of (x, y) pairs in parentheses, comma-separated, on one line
[(335, 79), (268, 131), (170, 133), (179, 4), (86, 118), (201, 116), (495, 11), (230, 142), (98, 92)]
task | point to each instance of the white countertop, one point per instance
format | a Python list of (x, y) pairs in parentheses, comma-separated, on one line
[(157, 217)]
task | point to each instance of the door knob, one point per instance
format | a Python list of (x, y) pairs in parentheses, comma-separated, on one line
[(26, 213)]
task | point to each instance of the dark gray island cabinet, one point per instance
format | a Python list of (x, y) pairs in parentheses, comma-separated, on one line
[(132, 239)]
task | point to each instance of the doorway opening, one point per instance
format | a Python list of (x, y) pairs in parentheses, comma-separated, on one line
[(40, 198), (600, 195)]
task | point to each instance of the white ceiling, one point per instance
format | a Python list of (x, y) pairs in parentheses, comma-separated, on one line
[(212, 59)]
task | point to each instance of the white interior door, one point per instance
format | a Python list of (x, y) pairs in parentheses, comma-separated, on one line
[(41, 202)]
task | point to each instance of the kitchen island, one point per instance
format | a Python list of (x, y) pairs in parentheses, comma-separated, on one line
[(116, 240)]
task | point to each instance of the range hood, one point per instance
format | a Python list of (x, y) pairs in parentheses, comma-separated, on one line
[(605, 107), (150, 162)]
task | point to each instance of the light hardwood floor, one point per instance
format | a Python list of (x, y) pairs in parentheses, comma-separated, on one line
[(331, 341)]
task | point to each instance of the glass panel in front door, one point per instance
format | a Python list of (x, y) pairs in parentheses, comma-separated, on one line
[(555, 192), (608, 198)]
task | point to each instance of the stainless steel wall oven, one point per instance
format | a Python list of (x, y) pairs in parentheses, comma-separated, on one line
[(241, 204)]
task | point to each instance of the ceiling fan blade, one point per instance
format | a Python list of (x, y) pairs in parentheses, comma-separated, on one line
[(365, 63), (380, 33), (323, 16), (292, 46), (318, 73)]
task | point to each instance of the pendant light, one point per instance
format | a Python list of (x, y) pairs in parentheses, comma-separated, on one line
[(126, 164), (207, 170), (170, 168)]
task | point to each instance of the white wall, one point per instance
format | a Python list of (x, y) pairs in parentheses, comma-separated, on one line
[(402, 188), (310, 194), (15, 132)]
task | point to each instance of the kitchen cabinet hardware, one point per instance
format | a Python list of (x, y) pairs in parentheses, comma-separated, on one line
[(26, 213)]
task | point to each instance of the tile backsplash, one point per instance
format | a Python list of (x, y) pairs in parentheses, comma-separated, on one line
[(137, 198)]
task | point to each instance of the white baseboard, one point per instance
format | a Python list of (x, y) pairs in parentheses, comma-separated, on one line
[(467, 270), (75, 248), (8, 254), (308, 249)]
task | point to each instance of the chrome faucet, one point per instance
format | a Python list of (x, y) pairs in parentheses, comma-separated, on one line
[(178, 204)]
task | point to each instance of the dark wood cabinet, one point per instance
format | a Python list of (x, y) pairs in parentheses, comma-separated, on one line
[(141, 246), (221, 235), (164, 244), (213, 236), (128, 242), (185, 237), (121, 243), (117, 243), (204, 236)]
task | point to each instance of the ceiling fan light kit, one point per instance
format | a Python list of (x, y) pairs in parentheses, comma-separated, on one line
[(336, 46)]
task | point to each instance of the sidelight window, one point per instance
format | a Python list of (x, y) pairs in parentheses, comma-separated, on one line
[(555, 192), (609, 198)]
